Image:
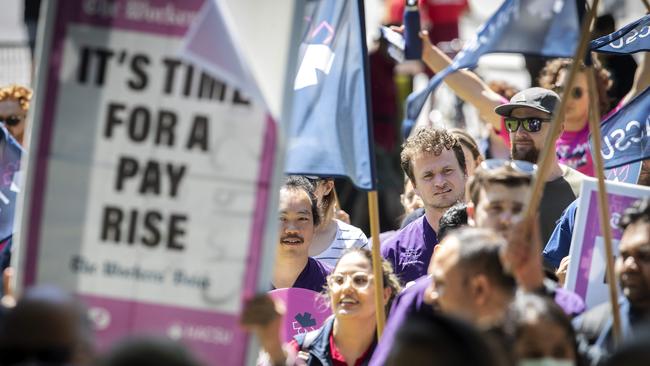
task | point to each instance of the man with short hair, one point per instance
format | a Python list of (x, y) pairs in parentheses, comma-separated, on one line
[(498, 197), (299, 216), (633, 273), (433, 160)]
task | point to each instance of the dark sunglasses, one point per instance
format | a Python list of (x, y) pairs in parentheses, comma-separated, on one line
[(529, 124), (576, 92), (12, 120), (518, 165)]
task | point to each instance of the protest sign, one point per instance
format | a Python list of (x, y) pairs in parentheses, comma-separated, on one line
[(586, 272), (149, 179), (306, 310)]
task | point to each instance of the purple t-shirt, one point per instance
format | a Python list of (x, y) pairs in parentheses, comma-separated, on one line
[(409, 301), (313, 276), (569, 301), (410, 250)]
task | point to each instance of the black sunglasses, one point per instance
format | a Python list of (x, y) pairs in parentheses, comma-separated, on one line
[(518, 165), (12, 120), (533, 124)]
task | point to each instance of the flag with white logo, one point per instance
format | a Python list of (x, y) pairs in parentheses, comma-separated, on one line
[(634, 37), (531, 27), (329, 133), (625, 135)]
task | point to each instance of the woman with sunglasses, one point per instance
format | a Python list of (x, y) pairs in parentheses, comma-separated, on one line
[(572, 147), (348, 336), (14, 103)]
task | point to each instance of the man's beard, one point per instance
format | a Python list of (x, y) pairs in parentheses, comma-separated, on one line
[(530, 155)]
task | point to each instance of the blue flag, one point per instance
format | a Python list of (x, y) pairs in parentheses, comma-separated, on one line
[(531, 27), (329, 134), (634, 37), (626, 134), (10, 154)]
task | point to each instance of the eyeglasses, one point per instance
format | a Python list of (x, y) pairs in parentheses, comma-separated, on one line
[(533, 124), (360, 280), (518, 165), (12, 120), (576, 92)]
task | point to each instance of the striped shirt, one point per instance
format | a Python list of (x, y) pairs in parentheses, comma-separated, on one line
[(347, 236)]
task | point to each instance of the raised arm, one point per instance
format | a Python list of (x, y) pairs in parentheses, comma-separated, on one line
[(466, 84)]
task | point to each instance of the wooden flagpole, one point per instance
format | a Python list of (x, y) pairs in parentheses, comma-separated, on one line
[(603, 204), (647, 4), (373, 210), (546, 158)]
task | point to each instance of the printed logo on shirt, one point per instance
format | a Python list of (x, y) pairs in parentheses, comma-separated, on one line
[(410, 256), (575, 158)]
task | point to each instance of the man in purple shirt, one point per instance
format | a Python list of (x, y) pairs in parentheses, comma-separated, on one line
[(434, 162), (298, 217)]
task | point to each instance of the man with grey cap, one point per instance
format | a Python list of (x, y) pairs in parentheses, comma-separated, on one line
[(527, 119)]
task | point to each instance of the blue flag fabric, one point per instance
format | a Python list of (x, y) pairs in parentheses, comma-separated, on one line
[(11, 153), (634, 37), (531, 27), (626, 134), (329, 132)]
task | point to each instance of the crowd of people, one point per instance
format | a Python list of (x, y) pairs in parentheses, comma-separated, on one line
[(468, 278)]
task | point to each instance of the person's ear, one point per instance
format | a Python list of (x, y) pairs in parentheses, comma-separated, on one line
[(480, 289), (387, 294)]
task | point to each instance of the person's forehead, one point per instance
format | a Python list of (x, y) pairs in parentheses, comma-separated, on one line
[(525, 112), (446, 255), (636, 236), (294, 200), (10, 106), (353, 262), (581, 78), (425, 161), (490, 192)]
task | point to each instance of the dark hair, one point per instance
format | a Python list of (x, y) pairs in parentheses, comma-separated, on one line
[(454, 218), (478, 253), (327, 202), (527, 306), (430, 140), (437, 339), (149, 351), (505, 175), (550, 75), (390, 279), (468, 141), (298, 182), (639, 211)]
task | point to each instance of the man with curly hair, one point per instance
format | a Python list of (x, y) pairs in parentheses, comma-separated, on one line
[(434, 162), (14, 104)]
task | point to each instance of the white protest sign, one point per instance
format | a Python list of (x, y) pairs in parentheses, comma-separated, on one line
[(586, 272), (149, 180)]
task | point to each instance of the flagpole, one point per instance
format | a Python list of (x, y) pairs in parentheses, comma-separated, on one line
[(647, 5), (603, 204), (373, 203), (546, 158), (373, 210)]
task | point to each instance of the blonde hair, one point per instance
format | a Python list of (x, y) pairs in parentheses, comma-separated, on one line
[(21, 94)]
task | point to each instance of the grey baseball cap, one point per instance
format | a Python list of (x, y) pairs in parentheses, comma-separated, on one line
[(538, 98)]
